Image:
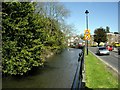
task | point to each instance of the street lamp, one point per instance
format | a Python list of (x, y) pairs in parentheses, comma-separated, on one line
[(86, 12)]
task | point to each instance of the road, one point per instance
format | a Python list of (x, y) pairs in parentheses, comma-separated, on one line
[(58, 72), (111, 59)]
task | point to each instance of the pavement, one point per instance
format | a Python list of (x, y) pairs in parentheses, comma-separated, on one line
[(115, 50)]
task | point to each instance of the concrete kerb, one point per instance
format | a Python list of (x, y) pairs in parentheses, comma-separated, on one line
[(106, 63), (84, 76)]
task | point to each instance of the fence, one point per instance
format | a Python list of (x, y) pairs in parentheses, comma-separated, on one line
[(77, 83)]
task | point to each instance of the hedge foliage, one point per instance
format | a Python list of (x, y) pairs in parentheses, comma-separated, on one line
[(26, 37)]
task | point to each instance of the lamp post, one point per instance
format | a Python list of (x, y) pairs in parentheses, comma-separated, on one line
[(86, 12)]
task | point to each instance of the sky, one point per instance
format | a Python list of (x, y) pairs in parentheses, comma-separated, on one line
[(101, 14)]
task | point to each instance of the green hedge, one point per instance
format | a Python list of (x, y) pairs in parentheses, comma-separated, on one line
[(26, 35)]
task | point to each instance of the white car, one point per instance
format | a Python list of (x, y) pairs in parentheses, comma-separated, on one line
[(102, 51)]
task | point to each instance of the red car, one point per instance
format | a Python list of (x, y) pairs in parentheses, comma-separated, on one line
[(80, 46), (110, 48)]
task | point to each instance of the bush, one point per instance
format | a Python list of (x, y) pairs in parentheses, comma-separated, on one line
[(26, 35)]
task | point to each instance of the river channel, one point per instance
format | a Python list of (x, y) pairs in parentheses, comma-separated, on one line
[(58, 72)]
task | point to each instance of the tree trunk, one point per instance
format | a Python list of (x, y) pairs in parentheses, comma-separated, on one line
[(98, 44)]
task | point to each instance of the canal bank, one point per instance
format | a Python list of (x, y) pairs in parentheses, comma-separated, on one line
[(58, 72)]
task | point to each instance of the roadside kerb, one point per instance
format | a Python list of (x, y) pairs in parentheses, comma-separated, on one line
[(84, 76), (105, 63)]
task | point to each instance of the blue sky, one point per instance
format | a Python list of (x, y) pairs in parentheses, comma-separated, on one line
[(101, 14)]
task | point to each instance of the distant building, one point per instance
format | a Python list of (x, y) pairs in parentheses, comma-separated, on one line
[(112, 38), (74, 40)]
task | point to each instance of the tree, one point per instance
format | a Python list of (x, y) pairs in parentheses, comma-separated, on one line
[(107, 29), (26, 36), (21, 35), (53, 10), (100, 35), (82, 36), (56, 12)]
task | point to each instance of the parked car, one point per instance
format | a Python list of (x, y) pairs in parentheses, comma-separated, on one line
[(110, 48), (80, 46), (102, 51)]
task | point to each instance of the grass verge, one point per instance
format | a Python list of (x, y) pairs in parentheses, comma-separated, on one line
[(97, 74)]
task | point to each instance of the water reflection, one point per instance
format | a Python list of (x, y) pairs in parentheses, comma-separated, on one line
[(58, 72)]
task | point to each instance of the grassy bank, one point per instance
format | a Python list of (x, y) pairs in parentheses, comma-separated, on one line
[(98, 75)]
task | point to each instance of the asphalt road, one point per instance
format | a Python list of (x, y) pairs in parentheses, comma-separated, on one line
[(112, 59)]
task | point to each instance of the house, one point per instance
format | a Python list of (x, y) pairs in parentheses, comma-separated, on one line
[(112, 38), (73, 40)]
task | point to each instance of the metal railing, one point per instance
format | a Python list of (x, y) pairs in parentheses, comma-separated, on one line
[(77, 83)]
